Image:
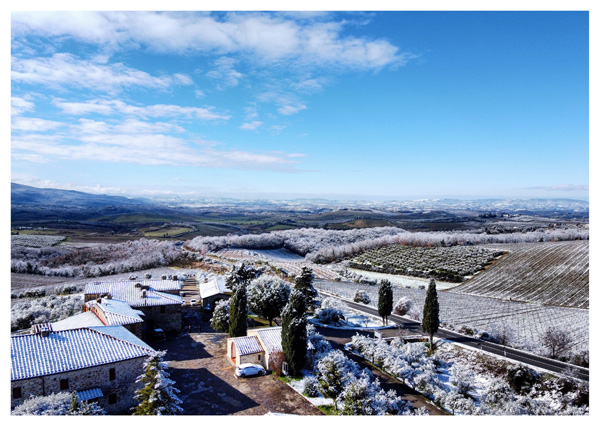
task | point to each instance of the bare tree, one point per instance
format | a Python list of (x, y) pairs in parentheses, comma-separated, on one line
[(558, 342)]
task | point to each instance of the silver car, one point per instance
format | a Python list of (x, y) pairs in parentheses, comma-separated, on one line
[(246, 370)]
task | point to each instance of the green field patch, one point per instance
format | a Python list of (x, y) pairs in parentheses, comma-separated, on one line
[(173, 231)]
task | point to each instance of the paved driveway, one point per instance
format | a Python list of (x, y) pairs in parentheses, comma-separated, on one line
[(205, 378)]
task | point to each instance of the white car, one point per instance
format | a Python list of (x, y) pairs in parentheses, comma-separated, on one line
[(246, 370), (193, 301)]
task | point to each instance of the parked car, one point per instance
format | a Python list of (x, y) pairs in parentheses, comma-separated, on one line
[(133, 277), (246, 370), (158, 334), (182, 293), (193, 301)]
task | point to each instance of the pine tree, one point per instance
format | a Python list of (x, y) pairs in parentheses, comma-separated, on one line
[(157, 397), (303, 282), (238, 312), (431, 313), (386, 300), (293, 332)]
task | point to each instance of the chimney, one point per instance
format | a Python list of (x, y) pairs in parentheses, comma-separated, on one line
[(43, 329)]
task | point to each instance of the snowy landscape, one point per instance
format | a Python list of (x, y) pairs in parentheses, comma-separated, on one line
[(300, 212)]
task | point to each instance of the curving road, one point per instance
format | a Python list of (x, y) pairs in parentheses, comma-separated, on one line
[(493, 348)]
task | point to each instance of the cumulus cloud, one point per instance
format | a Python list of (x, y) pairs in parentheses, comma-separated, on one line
[(262, 36)]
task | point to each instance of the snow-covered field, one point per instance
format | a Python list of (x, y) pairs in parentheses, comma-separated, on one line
[(401, 280), (524, 323)]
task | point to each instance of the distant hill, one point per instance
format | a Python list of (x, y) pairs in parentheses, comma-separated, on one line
[(23, 195)]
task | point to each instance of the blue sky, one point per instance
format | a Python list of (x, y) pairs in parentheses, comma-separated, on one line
[(339, 105)]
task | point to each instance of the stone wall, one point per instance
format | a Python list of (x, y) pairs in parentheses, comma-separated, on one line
[(166, 317), (123, 386)]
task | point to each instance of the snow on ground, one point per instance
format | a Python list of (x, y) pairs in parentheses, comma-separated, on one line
[(401, 280), (298, 386)]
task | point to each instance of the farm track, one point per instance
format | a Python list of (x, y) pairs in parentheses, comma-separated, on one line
[(548, 273)]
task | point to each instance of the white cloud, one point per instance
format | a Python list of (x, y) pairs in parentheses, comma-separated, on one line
[(20, 105), (63, 70), (291, 109), (225, 73), (26, 124), (100, 141), (263, 37), (253, 125), (110, 107)]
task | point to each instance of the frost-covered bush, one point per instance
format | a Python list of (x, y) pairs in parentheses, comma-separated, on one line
[(462, 378), (362, 395), (311, 387), (25, 313), (331, 316), (320, 344), (361, 296), (267, 296), (59, 404), (220, 318), (403, 306), (334, 370)]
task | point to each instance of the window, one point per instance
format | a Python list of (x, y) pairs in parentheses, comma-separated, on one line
[(17, 392), (64, 384), (112, 374), (259, 357), (112, 398)]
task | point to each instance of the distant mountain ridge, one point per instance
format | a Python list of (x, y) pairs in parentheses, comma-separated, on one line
[(23, 195)]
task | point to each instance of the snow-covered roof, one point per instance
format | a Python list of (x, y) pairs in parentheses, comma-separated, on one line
[(247, 345), (85, 319), (123, 334), (136, 297), (89, 394), (99, 287), (270, 338), (213, 287), (34, 355), (117, 312)]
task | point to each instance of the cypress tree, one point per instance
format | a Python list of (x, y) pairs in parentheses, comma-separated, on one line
[(294, 338), (431, 313), (303, 282), (238, 312), (386, 300)]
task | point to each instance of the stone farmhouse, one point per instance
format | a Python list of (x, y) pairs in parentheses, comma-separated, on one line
[(257, 347), (101, 364), (156, 302)]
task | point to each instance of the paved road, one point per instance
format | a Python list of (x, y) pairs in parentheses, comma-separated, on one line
[(513, 354)]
